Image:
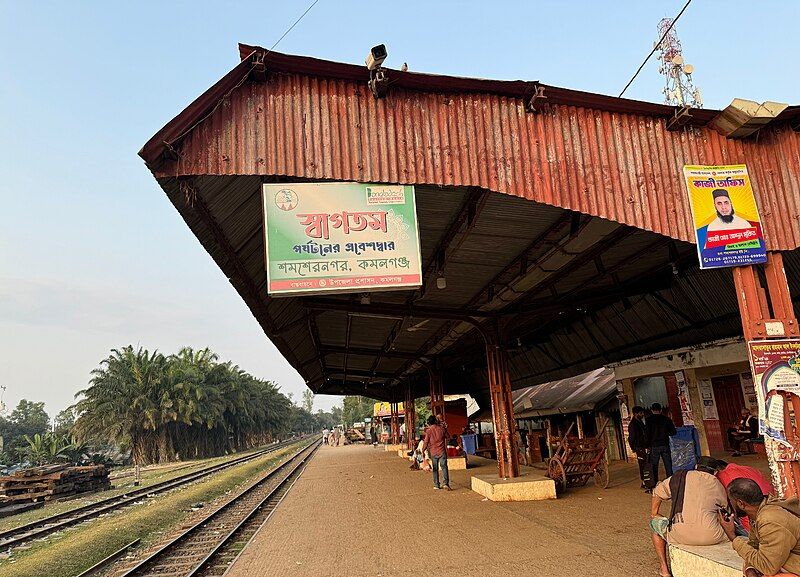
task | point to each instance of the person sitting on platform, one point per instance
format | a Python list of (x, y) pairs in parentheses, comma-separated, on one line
[(420, 459), (696, 497), (746, 429), (773, 546)]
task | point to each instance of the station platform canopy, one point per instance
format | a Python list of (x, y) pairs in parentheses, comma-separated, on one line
[(558, 218)]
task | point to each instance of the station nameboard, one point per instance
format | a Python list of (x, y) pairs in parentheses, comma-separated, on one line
[(340, 237), (726, 221)]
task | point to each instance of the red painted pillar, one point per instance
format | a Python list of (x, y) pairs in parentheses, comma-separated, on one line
[(410, 416), (505, 427), (395, 422), (754, 306), (437, 394)]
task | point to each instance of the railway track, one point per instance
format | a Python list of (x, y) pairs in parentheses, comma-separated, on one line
[(207, 548), (49, 525)]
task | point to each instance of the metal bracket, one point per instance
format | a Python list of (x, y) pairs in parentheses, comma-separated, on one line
[(536, 101), (681, 118), (258, 72)]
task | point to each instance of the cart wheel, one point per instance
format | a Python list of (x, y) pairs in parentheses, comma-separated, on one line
[(555, 470), (601, 476)]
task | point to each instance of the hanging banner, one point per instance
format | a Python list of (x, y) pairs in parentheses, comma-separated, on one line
[(340, 237), (776, 367), (726, 220), (683, 399), (709, 404)]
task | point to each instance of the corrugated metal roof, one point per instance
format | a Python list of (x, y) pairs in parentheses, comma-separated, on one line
[(599, 293), (594, 154), (580, 393), (572, 395)]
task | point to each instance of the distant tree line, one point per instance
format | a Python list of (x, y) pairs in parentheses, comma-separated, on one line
[(162, 408)]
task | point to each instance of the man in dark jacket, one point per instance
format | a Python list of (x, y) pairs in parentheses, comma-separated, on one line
[(659, 429), (637, 439)]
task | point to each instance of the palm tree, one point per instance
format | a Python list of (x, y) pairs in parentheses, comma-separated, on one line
[(188, 405), (127, 401)]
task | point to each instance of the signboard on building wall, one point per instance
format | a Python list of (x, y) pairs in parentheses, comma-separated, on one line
[(683, 399), (776, 367), (707, 398), (340, 237), (385, 409), (726, 220)]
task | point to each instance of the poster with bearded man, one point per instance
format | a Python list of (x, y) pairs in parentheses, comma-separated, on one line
[(725, 215)]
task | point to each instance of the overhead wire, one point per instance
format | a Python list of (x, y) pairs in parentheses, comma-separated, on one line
[(655, 47), (243, 79)]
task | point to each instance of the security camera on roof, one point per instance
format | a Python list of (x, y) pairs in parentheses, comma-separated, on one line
[(376, 57)]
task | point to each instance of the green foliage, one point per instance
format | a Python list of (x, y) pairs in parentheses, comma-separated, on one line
[(64, 421), (28, 419), (187, 405), (43, 449), (308, 400), (423, 410), (355, 409)]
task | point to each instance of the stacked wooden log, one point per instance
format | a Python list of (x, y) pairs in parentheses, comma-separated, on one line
[(52, 482)]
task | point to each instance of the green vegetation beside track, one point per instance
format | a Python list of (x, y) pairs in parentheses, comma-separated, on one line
[(75, 550), (120, 487)]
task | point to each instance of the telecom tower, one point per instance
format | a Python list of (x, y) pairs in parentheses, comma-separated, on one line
[(679, 90)]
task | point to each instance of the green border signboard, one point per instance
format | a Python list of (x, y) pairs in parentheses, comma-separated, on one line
[(324, 237)]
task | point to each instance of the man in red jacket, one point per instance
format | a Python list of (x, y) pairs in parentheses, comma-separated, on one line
[(435, 441)]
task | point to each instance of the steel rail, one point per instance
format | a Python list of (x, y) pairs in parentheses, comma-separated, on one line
[(42, 527), (162, 553)]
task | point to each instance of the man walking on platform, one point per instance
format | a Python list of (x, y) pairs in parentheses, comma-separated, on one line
[(435, 441), (659, 429), (637, 438)]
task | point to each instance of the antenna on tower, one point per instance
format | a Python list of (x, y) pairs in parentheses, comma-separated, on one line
[(679, 89)]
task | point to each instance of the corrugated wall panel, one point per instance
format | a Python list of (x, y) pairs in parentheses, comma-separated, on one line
[(623, 167)]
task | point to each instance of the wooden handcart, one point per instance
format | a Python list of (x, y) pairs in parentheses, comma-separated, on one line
[(574, 461)]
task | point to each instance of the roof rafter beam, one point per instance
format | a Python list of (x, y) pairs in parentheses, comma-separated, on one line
[(392, 311), (326, 349)]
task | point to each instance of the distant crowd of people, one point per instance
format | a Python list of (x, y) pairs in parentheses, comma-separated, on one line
[(331, 437)]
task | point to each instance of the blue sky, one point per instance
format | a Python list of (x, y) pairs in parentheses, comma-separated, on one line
[(93, 256)]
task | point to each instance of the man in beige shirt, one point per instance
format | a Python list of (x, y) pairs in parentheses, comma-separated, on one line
[(696, 498)]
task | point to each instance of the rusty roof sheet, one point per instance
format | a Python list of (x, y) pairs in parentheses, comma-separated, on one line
[(575, 394), (602, 156)]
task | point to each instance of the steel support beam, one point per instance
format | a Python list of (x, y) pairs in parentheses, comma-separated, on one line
[(754, 306), (357, 351), (392, 311)]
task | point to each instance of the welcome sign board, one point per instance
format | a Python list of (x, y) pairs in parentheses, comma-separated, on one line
[(340, 237)]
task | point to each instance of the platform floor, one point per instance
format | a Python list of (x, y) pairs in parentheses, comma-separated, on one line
[(359, 511)]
